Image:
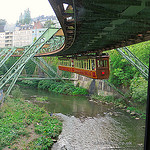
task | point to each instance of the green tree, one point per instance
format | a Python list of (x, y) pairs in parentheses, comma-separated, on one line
[(30, 67), (3, 22), (27, 16), (34, 39), (21, 18), (49, 23), (122, 72)]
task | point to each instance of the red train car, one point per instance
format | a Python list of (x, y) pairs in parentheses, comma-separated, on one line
[(95, 67)]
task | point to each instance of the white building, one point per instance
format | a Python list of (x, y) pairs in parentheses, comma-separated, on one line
[(8, 39), (22, 38), (2, 39)]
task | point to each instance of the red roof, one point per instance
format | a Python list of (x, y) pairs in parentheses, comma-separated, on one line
[(37, 25)]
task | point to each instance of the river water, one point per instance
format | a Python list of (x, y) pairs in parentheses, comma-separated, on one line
[(90, 126)]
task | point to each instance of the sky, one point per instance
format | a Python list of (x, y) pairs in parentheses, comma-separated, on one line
[(11, 9)]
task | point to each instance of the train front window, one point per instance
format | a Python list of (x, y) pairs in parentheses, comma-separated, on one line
[(105, 63), (101, 63)]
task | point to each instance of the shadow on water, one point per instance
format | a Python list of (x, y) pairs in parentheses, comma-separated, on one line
[(88, 125)]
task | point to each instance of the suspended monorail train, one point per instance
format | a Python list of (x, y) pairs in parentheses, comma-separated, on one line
[(95, 67)]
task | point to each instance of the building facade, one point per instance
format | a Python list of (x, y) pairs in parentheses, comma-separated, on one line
[(23, 35), (22, 38), (2, 39), (8, 39)]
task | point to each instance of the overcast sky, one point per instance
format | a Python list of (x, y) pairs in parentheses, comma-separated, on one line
[(11, 9)]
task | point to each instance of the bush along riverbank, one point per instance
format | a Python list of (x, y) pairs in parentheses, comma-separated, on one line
[(60, 87), (135, 112), (26, 126), (134, 101), (123, 74)]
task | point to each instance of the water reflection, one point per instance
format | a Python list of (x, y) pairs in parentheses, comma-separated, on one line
[(88, 125), (69, 105)]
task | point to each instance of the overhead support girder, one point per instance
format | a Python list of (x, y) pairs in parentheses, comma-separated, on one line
[(113, 24)]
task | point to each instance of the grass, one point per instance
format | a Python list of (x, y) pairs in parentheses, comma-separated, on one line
[(27, 126), (41, 99), (62, 88)]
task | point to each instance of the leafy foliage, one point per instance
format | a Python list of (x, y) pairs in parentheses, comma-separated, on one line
[(3, 22), (26, 17), (138, 89), (49, 24), (28, 83), (62, 88), (16, 116), (30, 67), (16, 93), (122, 72), (42, 98)]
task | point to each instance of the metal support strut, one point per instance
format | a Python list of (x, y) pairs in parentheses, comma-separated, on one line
[(129, 56), (15, 70)]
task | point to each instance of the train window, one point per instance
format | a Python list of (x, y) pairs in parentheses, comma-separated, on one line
[(105, 63), (74, 63), (102, 63), (93, 64), (69, 63), (77, 64), (89, 64), (84, 64), (62, 62)]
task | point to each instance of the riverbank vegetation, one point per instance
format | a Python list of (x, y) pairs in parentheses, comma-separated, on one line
[(26, 126), (125, 76), (60, 87), (122, 74)]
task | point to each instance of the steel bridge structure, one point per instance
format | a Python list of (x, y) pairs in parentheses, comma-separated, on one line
[(88, 26)]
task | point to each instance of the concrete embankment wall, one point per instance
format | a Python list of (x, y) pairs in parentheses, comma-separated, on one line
[(94, 86)]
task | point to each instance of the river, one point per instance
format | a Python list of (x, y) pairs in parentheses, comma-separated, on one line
[(90, 126)]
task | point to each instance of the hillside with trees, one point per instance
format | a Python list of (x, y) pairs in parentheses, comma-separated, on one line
[(124, 75)]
